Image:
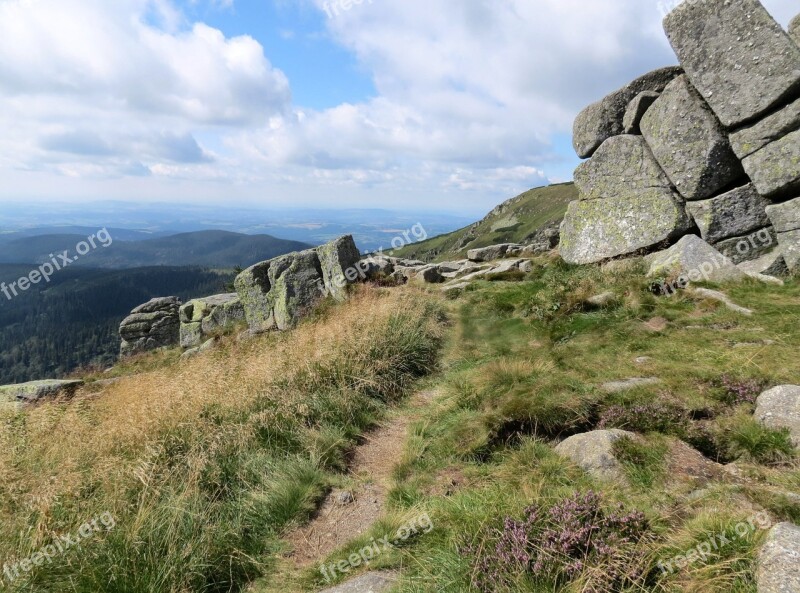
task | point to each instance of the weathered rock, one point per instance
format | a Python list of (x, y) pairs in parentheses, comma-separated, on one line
[(733, 214), (277, 293), (736, 55), (779, 407), (338, 262), (626, 204), (694, 259), (636, 110), (752, 138), (202, 317), (748, 247), (430, 274), (378, 266), (603, 299), (492, 252), (628, 384), (689, 143), (723, 298), (775, 169), (786, 219), (594, 452), (37, 391), (153, 325), (771, 264), (794, 29), (604, 119), (372, 582), (778, 560)]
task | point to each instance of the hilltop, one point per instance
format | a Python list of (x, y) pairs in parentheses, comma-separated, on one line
[(514, 221)]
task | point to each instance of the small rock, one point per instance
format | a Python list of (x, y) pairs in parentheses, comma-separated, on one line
[(636, 110), (722, 298), (694, 260), (628, 384), (594, 453), (372, 582), (602, 300), (344, 498), (643, 360), (779, 407), (779, 559)]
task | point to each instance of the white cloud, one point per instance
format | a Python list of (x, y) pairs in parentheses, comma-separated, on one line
[(475, 99)]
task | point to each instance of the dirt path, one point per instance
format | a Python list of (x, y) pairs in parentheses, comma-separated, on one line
[(347, 514)]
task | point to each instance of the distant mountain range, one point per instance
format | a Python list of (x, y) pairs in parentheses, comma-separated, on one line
[(210, 249)]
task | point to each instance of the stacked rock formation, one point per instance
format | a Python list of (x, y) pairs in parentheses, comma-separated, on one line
[(275, 294), (201, 318), (710, 148), (153, 325)]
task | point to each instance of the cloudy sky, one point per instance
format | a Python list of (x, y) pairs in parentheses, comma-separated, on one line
[(439, 104)]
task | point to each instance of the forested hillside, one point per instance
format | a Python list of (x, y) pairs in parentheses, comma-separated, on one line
[(73, 321)]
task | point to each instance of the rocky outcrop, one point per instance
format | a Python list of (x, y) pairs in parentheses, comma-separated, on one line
[(733, 115), (276, 294), (153, 325), (203, 317), (794, 29), (484, 254), (37, 391), (778, 560), (605, 119), (779, 407), (594, 452)]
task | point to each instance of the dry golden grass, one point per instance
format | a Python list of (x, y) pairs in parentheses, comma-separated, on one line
[(100, 446)]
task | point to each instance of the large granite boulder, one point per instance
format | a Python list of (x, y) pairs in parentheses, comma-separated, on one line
[(594, 453), (732, 214), (153, 325), (771, 264), (276, 294), (779, 559), (338, 261), (689, 143), (749, 247), (736, 55), (695, 260), (605, 119), (786, 220), (202, 317), (636, 110), (627, 204), (753, 137), (37, 391), (779, 407)]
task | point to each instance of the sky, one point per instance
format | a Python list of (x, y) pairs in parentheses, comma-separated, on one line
[(446, 105)]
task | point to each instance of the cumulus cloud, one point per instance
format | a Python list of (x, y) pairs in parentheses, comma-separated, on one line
[(473, 98)]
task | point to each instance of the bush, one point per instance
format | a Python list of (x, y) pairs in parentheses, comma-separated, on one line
[(560, 544)]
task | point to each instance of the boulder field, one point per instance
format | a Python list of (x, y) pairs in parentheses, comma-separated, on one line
[(710, 147)]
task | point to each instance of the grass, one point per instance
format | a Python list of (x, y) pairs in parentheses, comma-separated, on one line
[(205, 463)]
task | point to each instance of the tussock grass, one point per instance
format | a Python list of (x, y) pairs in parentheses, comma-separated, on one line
[(204, 463)]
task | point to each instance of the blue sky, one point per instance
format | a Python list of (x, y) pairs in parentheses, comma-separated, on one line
[(446, 105)]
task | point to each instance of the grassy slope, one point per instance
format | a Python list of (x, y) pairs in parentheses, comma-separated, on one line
[(204, 465), (522, 371), (511, 222)]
